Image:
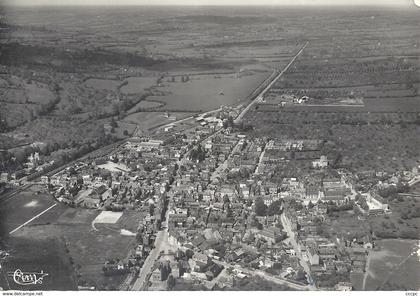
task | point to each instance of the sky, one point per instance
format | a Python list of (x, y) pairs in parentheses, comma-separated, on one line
[(212, 2)]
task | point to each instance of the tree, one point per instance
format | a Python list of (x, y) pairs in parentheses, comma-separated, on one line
[(310, 205), (3, 125), (300, 275), (113, 123), (151, 209), (260, 207), (229, 212), (21, 156), (170, 282), (165, 270), (226, 199), (198, 154), (274, 208)]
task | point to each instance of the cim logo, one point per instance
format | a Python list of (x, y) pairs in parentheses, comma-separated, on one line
[(28, 278)]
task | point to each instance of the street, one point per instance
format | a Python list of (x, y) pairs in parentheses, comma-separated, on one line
[(292, 238), (261, 95)]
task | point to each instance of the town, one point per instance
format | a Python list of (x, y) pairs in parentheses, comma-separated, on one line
[(214, 210), (210, 149)]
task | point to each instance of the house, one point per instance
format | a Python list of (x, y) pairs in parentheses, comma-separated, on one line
[(376, 204), (332, 183), (270, 234), (226, 280), (87, 179), (267, 199), (17, 175), (114, 266), (313, 257), (368, 245), (4, 177), (337, 195), (343, 286), (322, 162), (209, 275), (201, 261), (312, 193)]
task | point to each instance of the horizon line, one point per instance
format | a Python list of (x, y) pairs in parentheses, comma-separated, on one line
[(209, 5)]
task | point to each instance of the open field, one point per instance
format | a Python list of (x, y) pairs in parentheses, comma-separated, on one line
[(205, 93), (68, 233), (395, 266), (101, 84), (36, 255), (136, 85)]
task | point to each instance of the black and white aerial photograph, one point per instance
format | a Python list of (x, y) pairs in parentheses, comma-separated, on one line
[(209, 145)]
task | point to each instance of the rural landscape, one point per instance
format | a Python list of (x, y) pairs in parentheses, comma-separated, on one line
[(210, 148)]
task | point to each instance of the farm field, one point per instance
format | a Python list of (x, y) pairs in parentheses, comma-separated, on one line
[(206, 93), (136, 85), (101, 84), (395, 104)]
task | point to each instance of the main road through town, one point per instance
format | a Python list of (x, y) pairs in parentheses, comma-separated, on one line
[(259, 98), (292, 238), (162, 238)]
